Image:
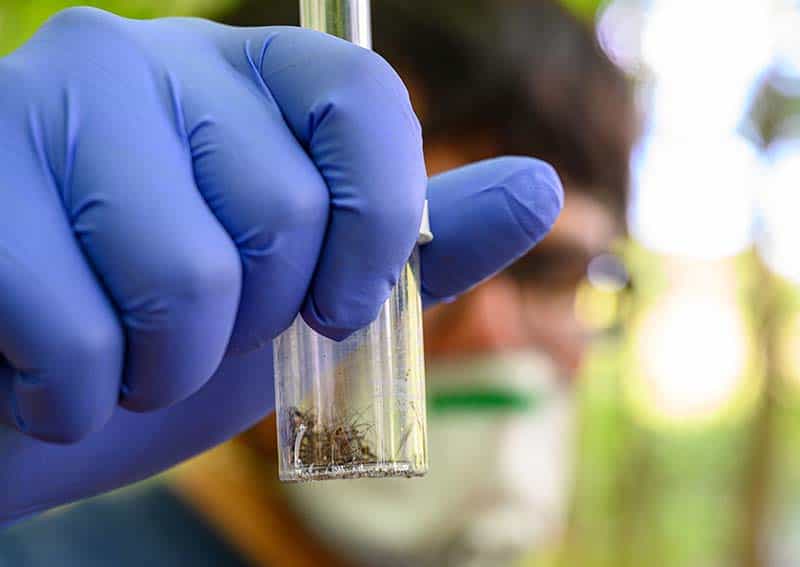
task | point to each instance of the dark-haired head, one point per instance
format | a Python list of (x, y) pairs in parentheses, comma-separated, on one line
[(487, 77)]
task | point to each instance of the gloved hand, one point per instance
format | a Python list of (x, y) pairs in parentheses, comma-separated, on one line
[(172, 193)]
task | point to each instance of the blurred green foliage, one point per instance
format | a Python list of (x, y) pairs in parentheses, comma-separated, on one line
[(725, 494), (584, 9), (19, 19), (721, 493)]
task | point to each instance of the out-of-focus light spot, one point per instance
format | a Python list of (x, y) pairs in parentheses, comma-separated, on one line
[(596, 309), (706, 57), (692, 359), (779, 237), (785, 81), (619, 31), (695, 196), (607, 273), (789, 350), (786, 18)]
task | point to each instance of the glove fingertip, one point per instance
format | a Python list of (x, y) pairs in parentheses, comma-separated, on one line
[(534, 194), (314, 319), (484, 216)]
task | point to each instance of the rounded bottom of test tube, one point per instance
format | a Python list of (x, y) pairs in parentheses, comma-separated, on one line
[(360, 470)]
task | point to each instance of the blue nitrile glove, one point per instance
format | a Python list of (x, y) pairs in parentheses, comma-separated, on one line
[(172, 194)]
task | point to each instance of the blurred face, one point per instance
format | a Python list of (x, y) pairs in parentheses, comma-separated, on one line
[(498, 361), (531, 304)]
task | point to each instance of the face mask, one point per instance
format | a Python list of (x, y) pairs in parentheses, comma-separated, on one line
[(499, 441)]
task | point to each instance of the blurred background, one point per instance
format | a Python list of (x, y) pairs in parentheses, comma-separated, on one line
[(688, 446)]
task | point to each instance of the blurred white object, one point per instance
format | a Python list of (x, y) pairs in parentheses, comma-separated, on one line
[(706, 58), (779, 238), (694, 354), (786, 20), (695, 177), (619, 31), (696, 195)]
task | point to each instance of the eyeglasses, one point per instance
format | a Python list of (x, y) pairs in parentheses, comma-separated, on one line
[(558, 268)]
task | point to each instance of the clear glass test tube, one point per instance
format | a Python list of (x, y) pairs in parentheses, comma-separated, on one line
[(354, 408)]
